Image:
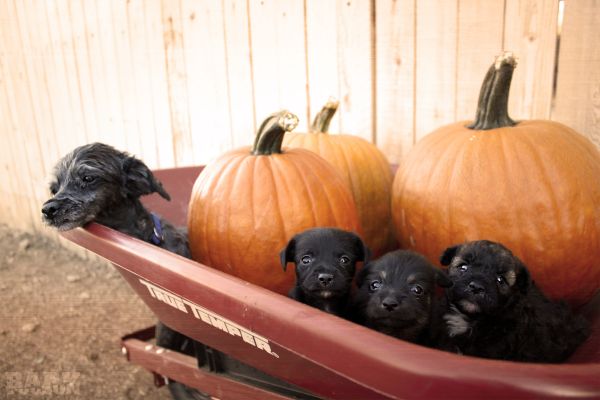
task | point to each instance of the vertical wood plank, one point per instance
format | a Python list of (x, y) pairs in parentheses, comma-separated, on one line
[(355, 68), (530, 32), (205, 57), (97, 56), (177, 82), (59, 24), (578, 87), (22, 113), (480, 30), (322, 57), (157, 84), (395, 77), (135, 37), (278, 57), (73, 20), (239, 72), (435, 65), (12, 188)]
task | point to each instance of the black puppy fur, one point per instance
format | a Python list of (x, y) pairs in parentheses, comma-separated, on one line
[(325, 260), (96, 182), (396, 295), (494, 309)]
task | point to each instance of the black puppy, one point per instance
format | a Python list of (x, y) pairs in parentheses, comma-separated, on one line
[(494, 309), (96, 182), (325, 260), (396, 295)]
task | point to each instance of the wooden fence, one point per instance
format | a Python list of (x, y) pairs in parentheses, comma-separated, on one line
[(177, 82)]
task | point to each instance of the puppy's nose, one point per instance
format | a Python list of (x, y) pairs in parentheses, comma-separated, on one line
[(49, 209), (476, 287), (389, 303), (325, 279)]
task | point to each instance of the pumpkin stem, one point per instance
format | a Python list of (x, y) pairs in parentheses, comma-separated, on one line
[(492, 108), (323, 118), (270, 134)]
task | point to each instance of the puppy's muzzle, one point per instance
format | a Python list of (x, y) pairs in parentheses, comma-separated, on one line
[(389, 303), (325, 280), (476, 288)]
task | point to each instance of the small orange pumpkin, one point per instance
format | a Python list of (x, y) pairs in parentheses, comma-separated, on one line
[(249, 202), (532, 185), (365, 169)]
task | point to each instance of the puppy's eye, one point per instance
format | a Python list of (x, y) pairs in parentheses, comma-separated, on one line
[(416, 289), (375, 285), (88, 178), (462, 267), (344, 260), (501, 280), (306, 259), (54, 188)]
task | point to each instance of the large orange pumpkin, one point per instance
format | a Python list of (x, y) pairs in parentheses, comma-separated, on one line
[(249, 202), (532, 185), (365, 169)]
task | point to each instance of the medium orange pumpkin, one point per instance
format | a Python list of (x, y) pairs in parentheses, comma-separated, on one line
[(532, 185), (365, 169), (249, 202)]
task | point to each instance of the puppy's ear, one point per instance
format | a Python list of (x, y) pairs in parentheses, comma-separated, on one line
[(364, 254), (360, 277), (449, 254), (288, 253), (139, 180), (442, 279), (523, 279)]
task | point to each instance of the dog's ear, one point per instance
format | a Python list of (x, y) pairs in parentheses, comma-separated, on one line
[(288, 253), (449, 254), (441, 278), (360, 277), (364, 254), (139, 180), (523, 279)]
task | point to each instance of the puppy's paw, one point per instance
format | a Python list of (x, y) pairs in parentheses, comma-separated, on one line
[(456, 322)]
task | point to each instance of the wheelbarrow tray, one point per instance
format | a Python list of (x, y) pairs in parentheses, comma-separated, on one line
[(321, 353)]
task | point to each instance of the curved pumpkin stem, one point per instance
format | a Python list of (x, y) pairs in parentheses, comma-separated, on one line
[(270, 134), (492, 108), (323, 118)]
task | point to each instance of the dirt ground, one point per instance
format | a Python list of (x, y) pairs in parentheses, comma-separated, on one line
[(61, 318)]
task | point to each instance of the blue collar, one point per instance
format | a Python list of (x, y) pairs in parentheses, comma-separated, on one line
[(157, 234)]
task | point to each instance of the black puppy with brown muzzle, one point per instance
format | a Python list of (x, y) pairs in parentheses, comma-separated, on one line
[(494, 309), (325, 260), (396, 295)]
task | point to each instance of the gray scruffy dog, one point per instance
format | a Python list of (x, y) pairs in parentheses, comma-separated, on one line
[(96, 182), (494, 309)]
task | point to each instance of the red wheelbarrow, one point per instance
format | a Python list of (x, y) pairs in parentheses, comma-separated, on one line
[(311, 353)]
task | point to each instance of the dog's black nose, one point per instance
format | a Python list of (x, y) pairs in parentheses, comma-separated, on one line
[(325, 279), (389, 303), (49, 209), (476, 287)]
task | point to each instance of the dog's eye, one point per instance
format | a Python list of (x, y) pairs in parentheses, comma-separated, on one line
[(344, 260), (306, 259), (375, 285), (416, 289), (463, 267), (54, 189), (88, 178), (501, 280)]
